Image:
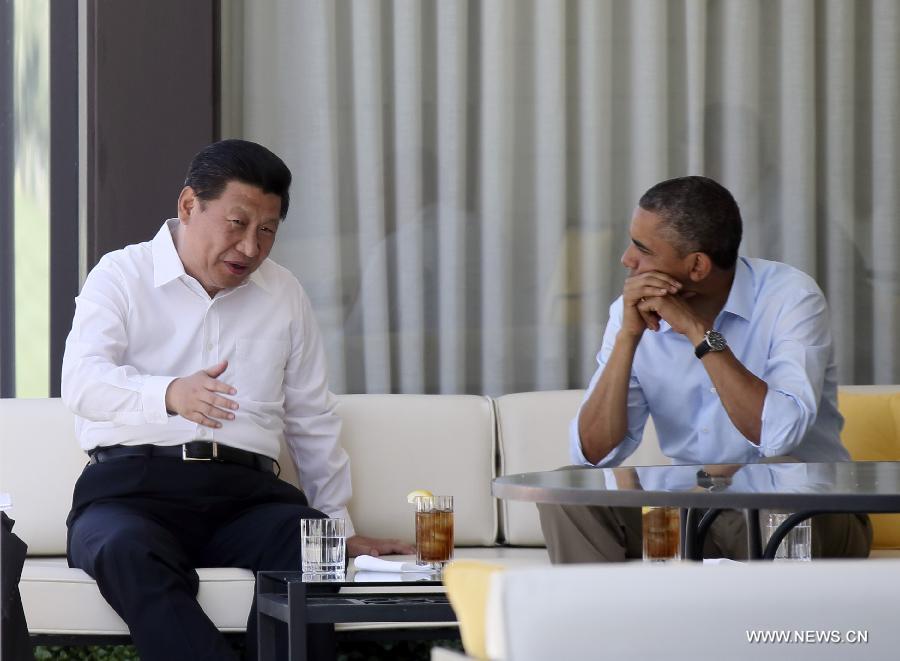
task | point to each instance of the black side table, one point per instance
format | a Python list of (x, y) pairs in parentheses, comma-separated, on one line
[(283, 597)]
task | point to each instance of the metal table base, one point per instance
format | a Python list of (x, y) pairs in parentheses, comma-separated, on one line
[(282, 599)]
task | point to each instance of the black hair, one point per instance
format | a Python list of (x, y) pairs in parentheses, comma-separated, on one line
[(701, 215), (238, 160)]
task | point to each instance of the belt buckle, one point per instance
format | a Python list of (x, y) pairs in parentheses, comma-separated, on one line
[(215, 453)]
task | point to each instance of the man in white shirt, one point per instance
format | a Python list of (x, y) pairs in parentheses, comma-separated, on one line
[(190, 357), (737, 367)]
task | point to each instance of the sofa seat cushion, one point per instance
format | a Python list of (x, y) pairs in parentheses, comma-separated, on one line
[(61, 600)]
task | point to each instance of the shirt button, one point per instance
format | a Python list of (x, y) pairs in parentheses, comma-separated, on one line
[(209, 346), (712, 390), (705, 430)]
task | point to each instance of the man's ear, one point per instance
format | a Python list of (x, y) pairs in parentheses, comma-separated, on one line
[(700, 266), (186, 201)]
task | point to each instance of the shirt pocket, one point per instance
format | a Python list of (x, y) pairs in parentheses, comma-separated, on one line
[(260, 369)]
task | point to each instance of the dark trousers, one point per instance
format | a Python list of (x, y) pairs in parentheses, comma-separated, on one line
[(140, 525), (16, 645)]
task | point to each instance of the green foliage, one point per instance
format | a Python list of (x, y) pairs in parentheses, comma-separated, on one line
[(86, 653), (403, 650)]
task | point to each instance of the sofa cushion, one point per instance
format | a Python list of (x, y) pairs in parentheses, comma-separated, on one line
[(872, 433), (692, 611), (533, 435), (442, 443), (40, 460), (399, 443), (60, 600)]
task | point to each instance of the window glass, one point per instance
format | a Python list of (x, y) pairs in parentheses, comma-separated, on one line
[(32, 200)]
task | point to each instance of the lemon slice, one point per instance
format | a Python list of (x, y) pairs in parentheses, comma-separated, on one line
[(418, 493)]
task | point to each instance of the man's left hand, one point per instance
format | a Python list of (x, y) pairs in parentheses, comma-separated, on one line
[(677, 313), (359, 545)]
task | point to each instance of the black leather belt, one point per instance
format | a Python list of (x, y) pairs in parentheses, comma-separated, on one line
[(192, 451)]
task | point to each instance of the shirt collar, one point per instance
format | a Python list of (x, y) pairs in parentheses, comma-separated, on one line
[(742, 294), (740, 297), (167, 265), (258, 279)]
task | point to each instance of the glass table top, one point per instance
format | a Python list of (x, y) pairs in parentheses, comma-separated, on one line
[(834, 486)]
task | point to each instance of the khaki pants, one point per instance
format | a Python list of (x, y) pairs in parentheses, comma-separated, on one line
[(578, 533)]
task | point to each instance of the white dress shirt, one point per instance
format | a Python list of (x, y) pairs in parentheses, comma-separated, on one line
[(141, 321), (776, 323)]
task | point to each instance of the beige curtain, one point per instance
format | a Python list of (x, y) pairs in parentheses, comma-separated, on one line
[(465, 171)]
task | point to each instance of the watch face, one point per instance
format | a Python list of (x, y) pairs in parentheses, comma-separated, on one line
[(716, 341)]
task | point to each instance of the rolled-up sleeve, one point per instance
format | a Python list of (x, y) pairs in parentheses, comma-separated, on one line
[(637, 402), (95, 383), (312, 426), (795, 372)]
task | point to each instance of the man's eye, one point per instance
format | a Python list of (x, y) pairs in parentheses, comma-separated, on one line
[(235, 221), (269, 230)]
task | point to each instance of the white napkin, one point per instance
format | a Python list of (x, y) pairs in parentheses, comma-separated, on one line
[(371, 563), (391, 577), (721, 561)]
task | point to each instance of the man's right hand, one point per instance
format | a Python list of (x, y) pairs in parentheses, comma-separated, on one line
[(196, 397), (640, 286)]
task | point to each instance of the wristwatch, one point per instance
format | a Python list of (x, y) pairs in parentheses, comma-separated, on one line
[(712, 341)]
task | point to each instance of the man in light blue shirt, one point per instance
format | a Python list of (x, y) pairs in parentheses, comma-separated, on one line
[(731, 356)]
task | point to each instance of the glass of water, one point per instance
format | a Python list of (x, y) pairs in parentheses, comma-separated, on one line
[(323, 547), (797, 544)]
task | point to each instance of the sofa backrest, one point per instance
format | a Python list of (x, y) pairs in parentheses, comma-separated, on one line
[(532, 433), (40, 460), (694, 611), (399, 443), (444, 443), (872, 433)]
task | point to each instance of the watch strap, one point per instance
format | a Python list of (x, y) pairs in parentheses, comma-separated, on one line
[(702, 349)]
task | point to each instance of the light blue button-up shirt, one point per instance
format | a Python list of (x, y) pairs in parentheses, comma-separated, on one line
[(776, 323)]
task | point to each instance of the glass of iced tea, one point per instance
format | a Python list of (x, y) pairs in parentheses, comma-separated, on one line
[(434, 530), (661, 528)]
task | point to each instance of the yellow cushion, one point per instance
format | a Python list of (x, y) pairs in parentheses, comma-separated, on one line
[(467, 583), (872, 433)]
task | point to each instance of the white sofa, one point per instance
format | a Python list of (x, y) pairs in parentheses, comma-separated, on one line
[(453, 444)]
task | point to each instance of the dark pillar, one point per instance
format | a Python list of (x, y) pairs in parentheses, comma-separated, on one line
[(63, 179), (7, 208), (152, 103)]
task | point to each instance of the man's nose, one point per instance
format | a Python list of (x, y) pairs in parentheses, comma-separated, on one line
[(628, 260), (249, 244)]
